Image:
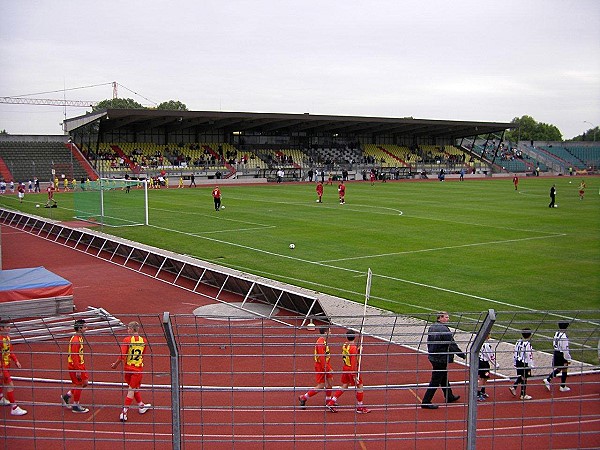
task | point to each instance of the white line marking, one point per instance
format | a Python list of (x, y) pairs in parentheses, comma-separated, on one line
[(212, 216), (359, 272), (231, 230), (321, 264), (434, 249)]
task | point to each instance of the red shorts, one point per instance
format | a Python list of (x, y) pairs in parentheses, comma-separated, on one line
[(78, 377), (133, 379), (6, 376), (321, 373), (350, 379)]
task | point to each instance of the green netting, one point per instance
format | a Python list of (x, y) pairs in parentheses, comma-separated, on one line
[(112, 202)]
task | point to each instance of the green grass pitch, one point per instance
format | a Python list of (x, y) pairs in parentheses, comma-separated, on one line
[(457, 246)]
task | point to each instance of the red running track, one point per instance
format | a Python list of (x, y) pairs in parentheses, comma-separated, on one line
[(215, 420)]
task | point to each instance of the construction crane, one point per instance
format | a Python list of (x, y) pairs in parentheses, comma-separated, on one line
[(22, 100), (47, 101)]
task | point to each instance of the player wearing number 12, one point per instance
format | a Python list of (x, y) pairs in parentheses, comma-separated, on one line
[(132, 356), (350, 375)]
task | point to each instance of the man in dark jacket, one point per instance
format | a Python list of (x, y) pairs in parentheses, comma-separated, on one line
[(442, 348), (552, 197)]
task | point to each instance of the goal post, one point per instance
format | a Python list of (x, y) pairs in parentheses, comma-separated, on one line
[(114, 202)]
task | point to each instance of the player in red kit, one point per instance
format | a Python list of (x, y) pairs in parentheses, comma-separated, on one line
[(320, 192), (216, 193), (21, 192), (7, 396), (51, 203), (350, 375), (132, 356), (323, 371), (516, 182), (342, 193), (77, 371)]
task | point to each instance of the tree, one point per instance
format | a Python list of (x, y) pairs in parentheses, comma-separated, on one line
[(527, 129), (117, 103), (590, 135), (173, 105)]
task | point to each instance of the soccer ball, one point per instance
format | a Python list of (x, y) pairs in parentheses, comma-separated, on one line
[(37, 205), (222, 207), (292, 246)]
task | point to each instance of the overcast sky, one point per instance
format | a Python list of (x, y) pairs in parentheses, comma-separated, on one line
[(432, 59)]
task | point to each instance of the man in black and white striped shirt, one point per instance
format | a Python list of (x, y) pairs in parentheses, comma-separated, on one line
[(561, 357), (523, 361)]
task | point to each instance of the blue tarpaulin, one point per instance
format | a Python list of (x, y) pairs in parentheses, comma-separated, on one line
[(32, 283)]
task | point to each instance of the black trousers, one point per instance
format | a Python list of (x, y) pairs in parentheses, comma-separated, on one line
[(439, 378)]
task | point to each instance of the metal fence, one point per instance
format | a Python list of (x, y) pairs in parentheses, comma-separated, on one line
[(219, 381)]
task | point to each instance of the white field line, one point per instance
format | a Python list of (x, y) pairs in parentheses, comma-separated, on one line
[(232, 230), (214, 216), (337, 207), (321, 264), (359, 272), (449, 247)]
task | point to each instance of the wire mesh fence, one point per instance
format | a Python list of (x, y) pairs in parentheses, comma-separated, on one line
[(234, 382)]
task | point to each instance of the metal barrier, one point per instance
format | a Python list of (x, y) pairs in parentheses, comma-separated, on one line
[(223, 381)]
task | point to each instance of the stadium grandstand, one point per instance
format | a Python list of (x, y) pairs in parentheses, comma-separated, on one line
[(234, 145), (231, 353)]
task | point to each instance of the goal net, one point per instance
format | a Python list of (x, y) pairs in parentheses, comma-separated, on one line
[(113, 202)]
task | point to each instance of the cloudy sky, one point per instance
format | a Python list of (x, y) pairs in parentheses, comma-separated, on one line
[(432, 59)]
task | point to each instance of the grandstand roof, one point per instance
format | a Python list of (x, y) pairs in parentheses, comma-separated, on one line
[(141, 120)]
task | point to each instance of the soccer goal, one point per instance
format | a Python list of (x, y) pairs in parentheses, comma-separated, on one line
[(114, 202)]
